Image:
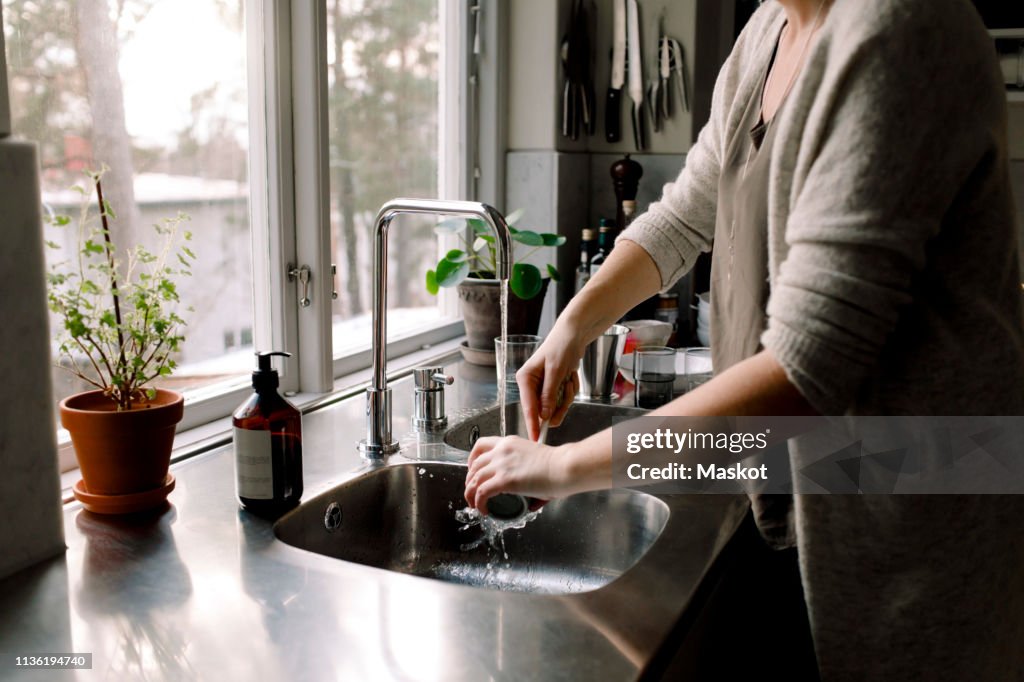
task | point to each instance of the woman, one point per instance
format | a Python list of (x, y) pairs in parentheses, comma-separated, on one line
[(853, 177)]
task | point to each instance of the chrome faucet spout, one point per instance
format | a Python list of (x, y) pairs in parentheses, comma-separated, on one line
[(379, 441)]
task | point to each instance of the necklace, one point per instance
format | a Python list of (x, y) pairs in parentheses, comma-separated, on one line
[(800, 58), (789, 84)]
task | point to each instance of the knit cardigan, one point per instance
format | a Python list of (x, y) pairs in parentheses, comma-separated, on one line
[(891, 229), (895, 289)]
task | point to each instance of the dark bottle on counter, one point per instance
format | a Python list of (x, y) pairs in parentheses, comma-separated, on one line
[(268, 445), (583, 269), (668, 311), (604, 245)]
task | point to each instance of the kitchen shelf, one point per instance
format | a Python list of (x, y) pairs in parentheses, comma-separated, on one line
[(1006, 33)]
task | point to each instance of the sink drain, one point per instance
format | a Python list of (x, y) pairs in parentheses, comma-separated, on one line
[(332, 517), (474, 436)]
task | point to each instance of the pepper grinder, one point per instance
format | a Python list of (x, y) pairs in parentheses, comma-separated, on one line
[(626, 174)]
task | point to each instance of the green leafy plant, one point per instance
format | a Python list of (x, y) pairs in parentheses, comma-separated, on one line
[(480, 258), (120, 328)]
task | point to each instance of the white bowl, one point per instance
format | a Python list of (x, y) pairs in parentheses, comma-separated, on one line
[(649, 332), (704, 336)]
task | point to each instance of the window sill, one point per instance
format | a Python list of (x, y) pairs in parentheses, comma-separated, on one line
[(194, 440)]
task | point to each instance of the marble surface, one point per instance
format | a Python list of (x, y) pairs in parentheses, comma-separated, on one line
[(30, 511)]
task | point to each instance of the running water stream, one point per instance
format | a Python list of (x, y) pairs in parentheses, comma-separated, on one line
[(502, 357), (493, 528)]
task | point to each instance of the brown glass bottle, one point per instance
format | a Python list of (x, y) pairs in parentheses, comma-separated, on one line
[(268, 446)]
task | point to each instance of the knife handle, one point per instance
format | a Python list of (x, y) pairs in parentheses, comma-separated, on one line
[(613, 115)]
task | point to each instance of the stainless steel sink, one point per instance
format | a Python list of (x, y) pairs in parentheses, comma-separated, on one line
[(401, 517), (582, 420)]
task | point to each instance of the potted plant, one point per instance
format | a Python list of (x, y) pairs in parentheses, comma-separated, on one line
[(119, 330), (472, 271)]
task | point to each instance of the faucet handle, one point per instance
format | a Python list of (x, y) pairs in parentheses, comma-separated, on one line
[(428, 399), (431, 378)]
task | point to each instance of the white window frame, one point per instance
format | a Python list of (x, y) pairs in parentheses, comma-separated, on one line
[(290, 212), (289, 185)]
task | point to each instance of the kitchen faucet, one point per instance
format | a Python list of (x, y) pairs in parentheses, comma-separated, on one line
[(379, 441)]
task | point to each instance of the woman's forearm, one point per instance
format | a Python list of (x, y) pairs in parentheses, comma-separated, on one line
[(756, 386), (605, 299)]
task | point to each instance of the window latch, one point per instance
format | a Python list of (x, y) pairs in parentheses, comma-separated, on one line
[(334, 282), (303, 275)]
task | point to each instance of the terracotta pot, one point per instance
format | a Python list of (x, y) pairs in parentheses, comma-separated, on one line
[(122, 452), (480, 301)]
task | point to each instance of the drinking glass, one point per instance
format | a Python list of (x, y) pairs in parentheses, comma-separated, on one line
[(697, 367), (654, 370), (518, 350)]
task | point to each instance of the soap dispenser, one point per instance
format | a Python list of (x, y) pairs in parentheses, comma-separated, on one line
[(268, 445)]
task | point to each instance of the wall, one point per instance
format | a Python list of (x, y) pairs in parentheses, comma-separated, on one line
[(565, 183), (31, 528), (30, 515), (536, 28)]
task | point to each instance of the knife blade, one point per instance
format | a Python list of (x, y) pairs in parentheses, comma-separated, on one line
[(613, 103), (636, 71), (682, 74), (664, 72)]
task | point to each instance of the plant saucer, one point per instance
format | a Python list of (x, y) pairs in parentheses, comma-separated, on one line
[(123, 504), (477, 356)]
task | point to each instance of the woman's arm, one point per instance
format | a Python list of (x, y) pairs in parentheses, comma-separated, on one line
[(756, 386), (659, 247), (595, 308)]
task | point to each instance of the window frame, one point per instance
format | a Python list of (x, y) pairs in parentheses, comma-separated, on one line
[(290, 214), (289, 217)]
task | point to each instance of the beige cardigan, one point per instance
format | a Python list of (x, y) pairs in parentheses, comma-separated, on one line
[(890, 208), (895, 290)]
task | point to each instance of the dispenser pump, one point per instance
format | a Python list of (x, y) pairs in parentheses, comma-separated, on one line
[(265, 377)]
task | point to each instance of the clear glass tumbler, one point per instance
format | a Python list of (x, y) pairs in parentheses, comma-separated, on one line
[(518, 350), (654, 370), (697, 367)]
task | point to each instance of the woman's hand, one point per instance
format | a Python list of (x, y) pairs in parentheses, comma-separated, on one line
[(515, 465), (549, 382), (628, 276)]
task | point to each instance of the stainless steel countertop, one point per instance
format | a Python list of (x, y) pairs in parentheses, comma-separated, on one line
[(205, 590)]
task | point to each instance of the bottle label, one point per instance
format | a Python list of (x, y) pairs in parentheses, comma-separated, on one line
[(254, 467)]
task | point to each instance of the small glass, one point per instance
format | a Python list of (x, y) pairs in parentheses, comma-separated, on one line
[(519, 348), (654, 370), (697, 367)]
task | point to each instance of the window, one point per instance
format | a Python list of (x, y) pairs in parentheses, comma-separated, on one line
[(92, 83), (213, 108), (383, 102)]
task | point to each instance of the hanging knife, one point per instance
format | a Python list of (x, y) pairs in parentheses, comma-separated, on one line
[(636, 73), (613, 104), (678, 63), (664, 71)]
